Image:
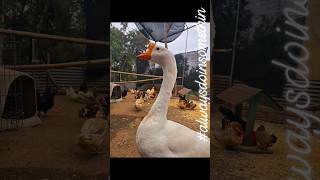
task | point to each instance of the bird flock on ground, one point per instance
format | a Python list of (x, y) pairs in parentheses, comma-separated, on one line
[(233, 133), (95, 112), (142, 96)]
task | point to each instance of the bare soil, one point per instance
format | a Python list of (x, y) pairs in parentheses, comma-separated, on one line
[(241, 165), (49, 150)]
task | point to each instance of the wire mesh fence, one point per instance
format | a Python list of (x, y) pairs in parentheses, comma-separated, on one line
[(12, 86)]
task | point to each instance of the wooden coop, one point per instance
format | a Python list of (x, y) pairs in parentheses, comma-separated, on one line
[(18, 105), (188, 93), (239, 94)]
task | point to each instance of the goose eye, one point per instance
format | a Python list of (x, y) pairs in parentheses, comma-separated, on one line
[(157, 48)]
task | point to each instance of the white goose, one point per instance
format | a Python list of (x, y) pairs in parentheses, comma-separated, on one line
[(156, 135)]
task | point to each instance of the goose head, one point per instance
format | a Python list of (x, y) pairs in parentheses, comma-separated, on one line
[(157, 54)]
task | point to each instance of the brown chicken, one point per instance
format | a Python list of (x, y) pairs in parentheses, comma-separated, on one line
[(264, 140), (185, 103), (231, 136)]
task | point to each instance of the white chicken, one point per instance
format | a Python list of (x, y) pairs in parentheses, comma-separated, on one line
[(80, 97), (72, 94), (93, 134), (152, 93), (139, 103)]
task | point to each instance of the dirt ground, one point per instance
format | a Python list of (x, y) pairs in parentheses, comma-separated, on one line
[(49, 150), (124, 121), (245, 166)]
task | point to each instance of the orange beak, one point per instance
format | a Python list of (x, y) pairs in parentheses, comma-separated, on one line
[(147, 54)]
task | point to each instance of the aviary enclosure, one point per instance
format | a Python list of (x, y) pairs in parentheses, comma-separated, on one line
[(53, 89)]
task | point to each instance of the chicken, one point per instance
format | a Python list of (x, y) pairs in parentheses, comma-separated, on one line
[(137, 94), (184, 103), (264, 140), (93, 134), (231, 136), (229, 115), (131, 91), (148, 91), (191, 105), (182, 97), (86, 97), (84, 87), (139, 103), (45, 101), (72, 94), (146, 96), (124, 93), (152, 93), (89, 110), (80, 97), (140, 94)]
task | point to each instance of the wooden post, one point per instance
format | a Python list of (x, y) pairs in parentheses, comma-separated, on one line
[(238, 110), (33, 50), (253, 105)]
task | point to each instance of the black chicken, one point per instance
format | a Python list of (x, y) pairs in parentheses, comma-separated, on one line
[(89, 110), (45, 101), (124, 92), (183, 97), (84, 87), (228, 114)]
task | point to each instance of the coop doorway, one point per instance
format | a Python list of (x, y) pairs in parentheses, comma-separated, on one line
[(115, 93), (18, 105)]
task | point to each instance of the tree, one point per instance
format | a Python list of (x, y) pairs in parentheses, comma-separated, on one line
[(124, 49), (44, 16)]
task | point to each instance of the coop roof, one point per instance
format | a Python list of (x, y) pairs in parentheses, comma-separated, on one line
[(239, 93), (184, 91)]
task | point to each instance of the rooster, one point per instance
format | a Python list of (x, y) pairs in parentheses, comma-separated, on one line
[(45, 101)]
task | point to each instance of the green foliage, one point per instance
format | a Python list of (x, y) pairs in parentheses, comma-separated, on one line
[(124, 49), (57, 17)]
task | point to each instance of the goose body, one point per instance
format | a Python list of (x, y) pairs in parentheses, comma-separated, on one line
[(156, 135), (170, 140)]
